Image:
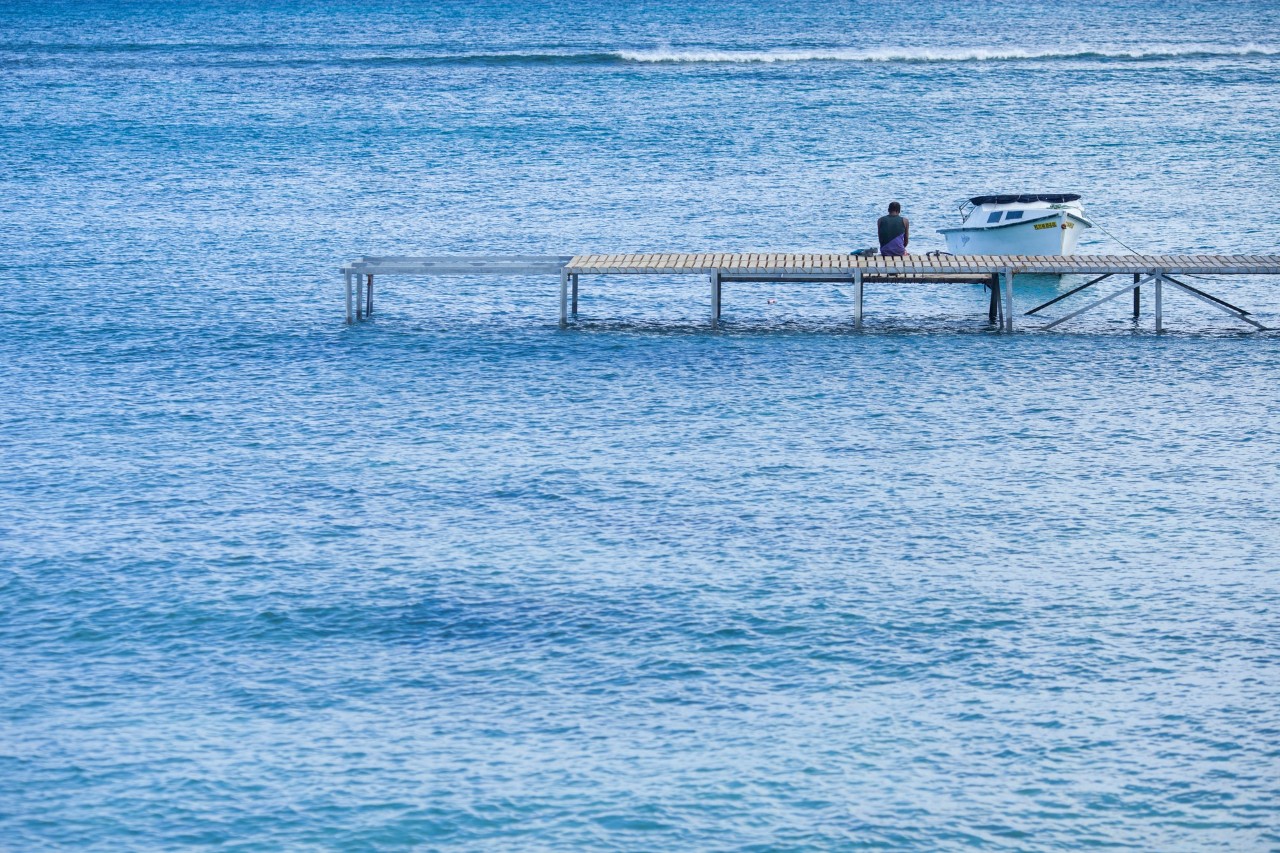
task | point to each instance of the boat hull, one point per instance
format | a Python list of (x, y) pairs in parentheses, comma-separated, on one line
[(1054, 235)]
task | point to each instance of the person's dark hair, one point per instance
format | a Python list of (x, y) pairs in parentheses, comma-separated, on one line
[(894, 207)]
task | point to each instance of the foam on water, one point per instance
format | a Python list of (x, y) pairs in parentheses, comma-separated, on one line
[(930, 55), (270, 54)]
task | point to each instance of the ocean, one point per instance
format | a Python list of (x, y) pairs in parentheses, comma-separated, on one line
[(455, 578)]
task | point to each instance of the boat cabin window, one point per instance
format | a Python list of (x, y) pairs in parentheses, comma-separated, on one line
[(1013, 214), (995, 217)]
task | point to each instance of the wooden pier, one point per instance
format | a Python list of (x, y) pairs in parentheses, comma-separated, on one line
[(1162, 273)]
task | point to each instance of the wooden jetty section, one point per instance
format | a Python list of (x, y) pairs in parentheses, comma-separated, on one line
[(997, 272)]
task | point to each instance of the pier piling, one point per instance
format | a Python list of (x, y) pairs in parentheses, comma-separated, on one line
[(1007, 275), (1159, 302), (348, 279), (564, 298), (857, 299)]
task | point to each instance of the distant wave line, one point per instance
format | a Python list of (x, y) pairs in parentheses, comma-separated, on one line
[(939, 55), (255, 54)]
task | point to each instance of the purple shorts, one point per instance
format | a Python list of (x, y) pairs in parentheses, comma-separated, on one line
[(897, 247)]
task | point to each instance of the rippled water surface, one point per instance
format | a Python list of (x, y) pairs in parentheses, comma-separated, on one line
[(458, 578)]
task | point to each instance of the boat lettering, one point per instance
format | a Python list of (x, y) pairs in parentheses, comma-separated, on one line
[(1044, 225)]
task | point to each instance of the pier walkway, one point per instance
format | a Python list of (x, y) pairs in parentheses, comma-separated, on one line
[(1160, 272)]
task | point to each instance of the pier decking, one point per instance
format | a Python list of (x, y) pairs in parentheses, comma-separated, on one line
[(996, 271)]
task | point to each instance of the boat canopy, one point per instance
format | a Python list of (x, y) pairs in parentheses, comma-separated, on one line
[(1026, 198)]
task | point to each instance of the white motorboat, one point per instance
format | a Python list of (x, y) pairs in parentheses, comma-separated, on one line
[(1033, 224)]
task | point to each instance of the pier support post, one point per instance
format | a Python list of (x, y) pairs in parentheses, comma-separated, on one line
[(857, 299), (993, 309), (368, 307), (1159, 302), (715, 299), (564, 298), (1137, 293), (1007, 275), (574, 280), (347, 276)]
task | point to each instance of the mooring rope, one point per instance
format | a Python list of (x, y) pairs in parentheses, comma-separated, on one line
[(1114, 237), (1104, 230)]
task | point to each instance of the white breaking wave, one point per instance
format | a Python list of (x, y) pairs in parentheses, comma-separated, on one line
[(925, 54)]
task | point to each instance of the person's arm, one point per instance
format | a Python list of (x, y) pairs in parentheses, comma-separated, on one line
[(906, 231)]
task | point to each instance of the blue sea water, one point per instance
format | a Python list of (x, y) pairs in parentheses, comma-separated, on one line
[(456, 578)]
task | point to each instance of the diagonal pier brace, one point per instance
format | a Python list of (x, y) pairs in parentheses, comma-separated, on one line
[(1098, 302)]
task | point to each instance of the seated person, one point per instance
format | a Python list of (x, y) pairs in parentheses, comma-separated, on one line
[(895, 231)]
